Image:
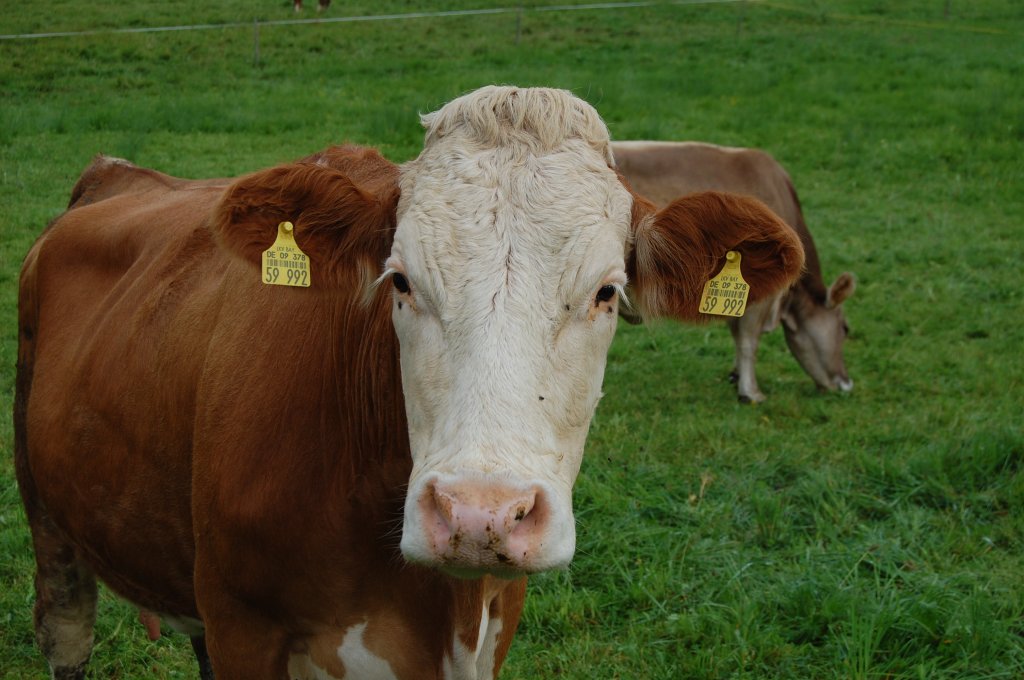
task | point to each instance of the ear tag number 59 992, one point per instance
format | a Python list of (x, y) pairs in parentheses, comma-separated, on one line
[(726, 294), (284, 264)]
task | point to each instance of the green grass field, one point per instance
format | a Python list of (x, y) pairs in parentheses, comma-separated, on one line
[(874, 535)]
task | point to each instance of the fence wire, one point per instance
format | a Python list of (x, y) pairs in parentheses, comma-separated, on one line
[(370, 17), (257, 24)]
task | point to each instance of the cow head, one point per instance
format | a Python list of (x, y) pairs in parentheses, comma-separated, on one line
[(510, 247), (816, 330), (515, 240)]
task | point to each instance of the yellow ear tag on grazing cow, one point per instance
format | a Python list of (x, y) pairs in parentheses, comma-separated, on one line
[(726, 294), (283, 263)]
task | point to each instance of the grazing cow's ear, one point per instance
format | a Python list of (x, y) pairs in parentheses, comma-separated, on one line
[(677, 250), (337, 224), (839, 291)]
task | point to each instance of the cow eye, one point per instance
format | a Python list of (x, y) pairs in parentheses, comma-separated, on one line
[(605, 294), (400, 283)]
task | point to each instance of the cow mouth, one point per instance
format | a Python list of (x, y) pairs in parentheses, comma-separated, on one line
[(473, 565), (463, 560), (475, 573), (835, 383)]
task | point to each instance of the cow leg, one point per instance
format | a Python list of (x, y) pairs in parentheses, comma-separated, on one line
[(65, 609), (245, 647), (242, 642), (746, 334), (202, 657)]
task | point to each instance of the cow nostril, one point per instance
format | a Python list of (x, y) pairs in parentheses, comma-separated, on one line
[(438, 513), (528, 514), (442, 503)]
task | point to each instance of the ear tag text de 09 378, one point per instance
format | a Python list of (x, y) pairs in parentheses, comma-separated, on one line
[(726, 294), (284, 264)]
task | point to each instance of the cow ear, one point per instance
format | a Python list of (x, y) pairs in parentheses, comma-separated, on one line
[(842, 289), (677, 250), (338, 225)]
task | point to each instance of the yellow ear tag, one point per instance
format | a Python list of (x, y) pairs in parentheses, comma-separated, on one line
[(283, 263), (726, 294)]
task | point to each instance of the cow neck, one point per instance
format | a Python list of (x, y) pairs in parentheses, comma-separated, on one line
[(361, 375), (811, 281)]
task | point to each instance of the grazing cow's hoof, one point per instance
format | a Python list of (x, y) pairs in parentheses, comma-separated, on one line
[(754, 399), (69, 672)]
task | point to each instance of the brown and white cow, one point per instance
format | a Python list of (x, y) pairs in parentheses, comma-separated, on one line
[(349, 480), (320, 6), (811, 313)]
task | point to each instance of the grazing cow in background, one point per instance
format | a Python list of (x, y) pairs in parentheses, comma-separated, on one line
[(320, 6), (811, 313), (350, 479)]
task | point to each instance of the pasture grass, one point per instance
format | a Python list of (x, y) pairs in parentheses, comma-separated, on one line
[(872, 535)]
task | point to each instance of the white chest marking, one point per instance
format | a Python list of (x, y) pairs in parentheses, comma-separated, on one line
[(475, 664), (360, 663), (487, 646)]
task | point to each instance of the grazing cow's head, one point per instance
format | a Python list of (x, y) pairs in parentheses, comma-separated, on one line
[(816, 330), (515, 240)]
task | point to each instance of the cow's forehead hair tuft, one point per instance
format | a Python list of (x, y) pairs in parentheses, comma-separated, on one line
[(540, 118)]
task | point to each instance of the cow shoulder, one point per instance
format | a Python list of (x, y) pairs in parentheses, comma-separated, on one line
[(678, 249), (342, 203)]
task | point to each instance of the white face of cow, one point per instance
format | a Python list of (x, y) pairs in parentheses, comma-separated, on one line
[(507, 265)]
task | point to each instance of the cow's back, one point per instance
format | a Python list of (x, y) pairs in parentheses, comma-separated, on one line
[(117, 300), (662, 171), (108, 177)]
